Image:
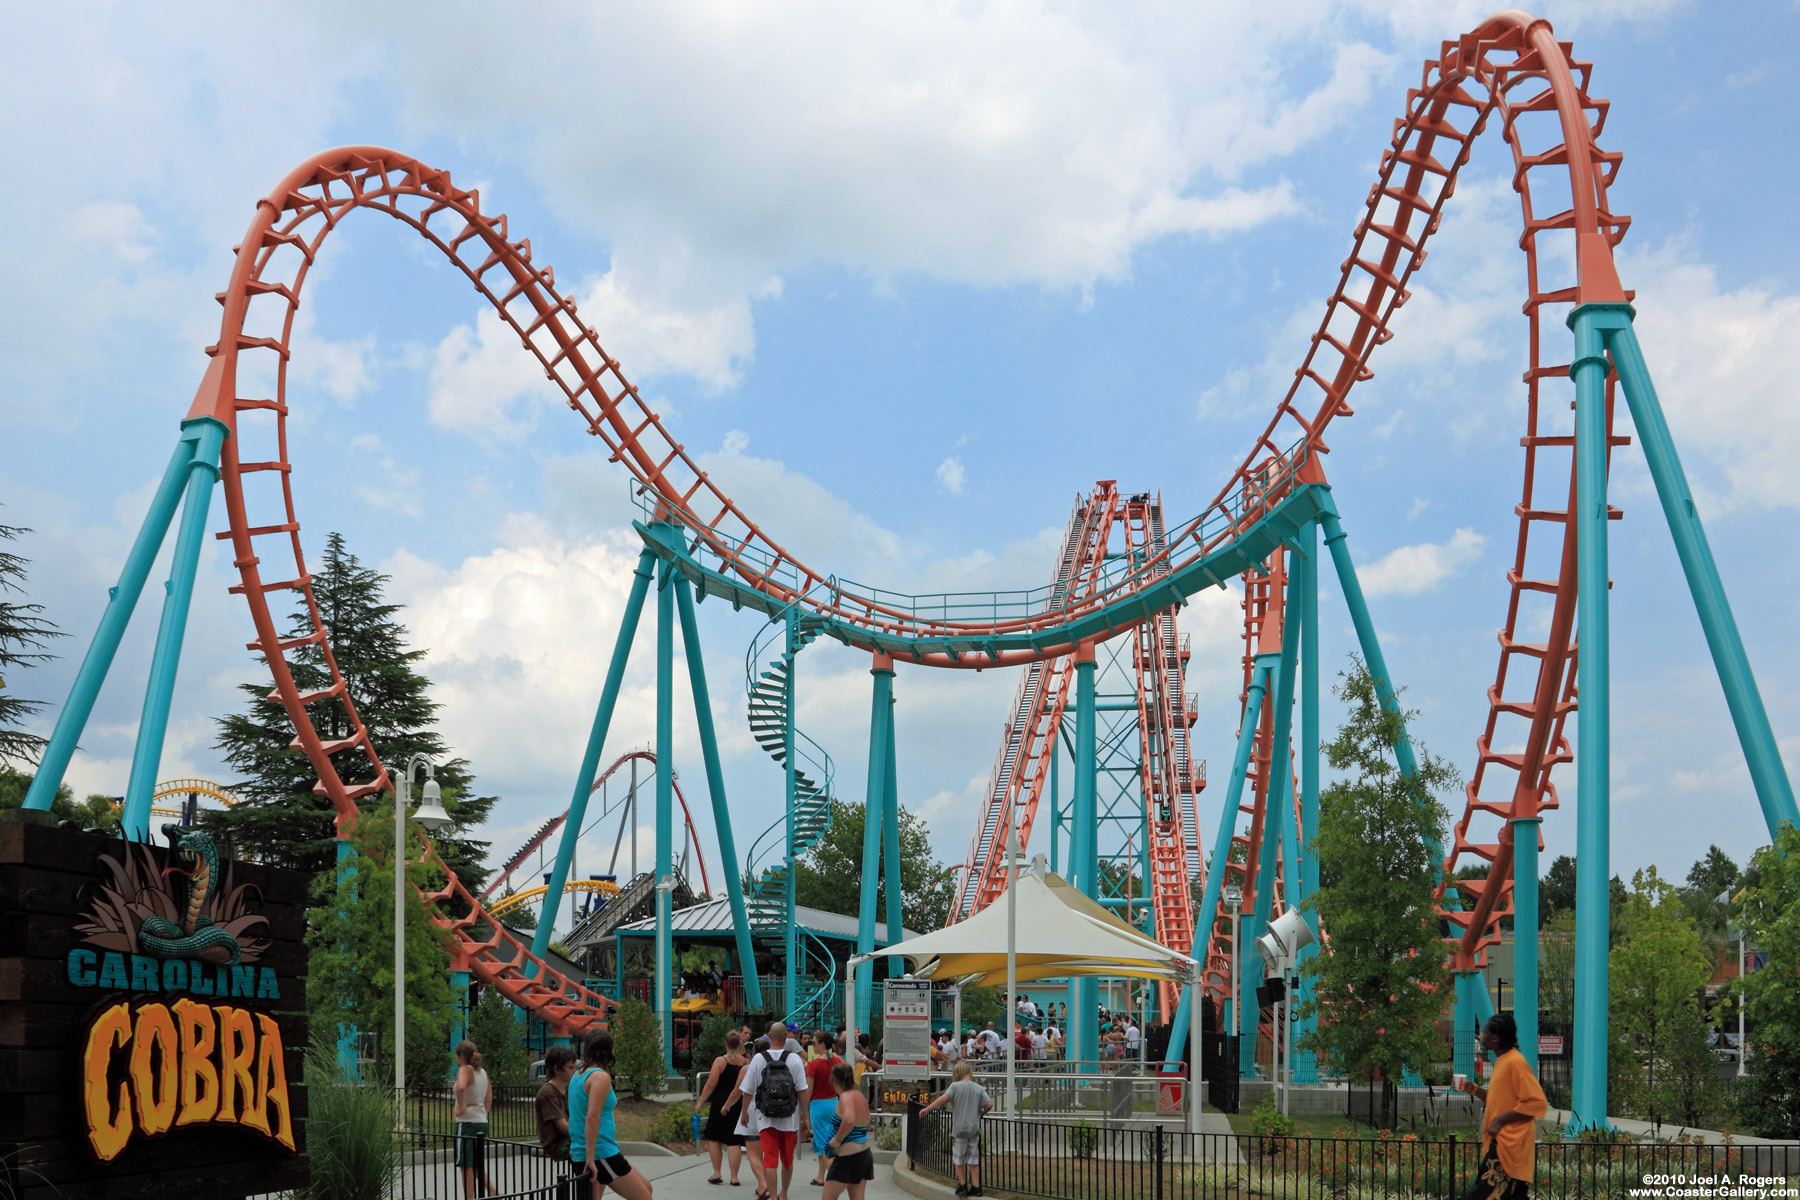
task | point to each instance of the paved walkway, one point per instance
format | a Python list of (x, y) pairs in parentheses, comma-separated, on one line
[(684, 1178)]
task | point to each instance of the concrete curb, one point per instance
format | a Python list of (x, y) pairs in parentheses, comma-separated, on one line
[(646, 1150), (914, 1184)]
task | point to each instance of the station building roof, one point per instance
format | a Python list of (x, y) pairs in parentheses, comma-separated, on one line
[(713, 919)]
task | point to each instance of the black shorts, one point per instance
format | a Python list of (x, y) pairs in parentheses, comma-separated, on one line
[(605, 1169), (852, 1168)]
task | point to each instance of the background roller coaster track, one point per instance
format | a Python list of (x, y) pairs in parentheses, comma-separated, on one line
[(537, 840), (1512, 66)]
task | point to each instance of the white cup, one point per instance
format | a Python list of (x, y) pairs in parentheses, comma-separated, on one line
[(1457, 1081)]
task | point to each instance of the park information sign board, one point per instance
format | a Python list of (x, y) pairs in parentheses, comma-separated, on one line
[(906, 1029), (152, 1017)]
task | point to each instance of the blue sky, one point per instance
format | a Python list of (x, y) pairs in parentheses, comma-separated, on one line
[(908, 279)]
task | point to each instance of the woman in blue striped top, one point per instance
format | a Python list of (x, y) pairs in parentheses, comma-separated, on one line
[(852, 1162), (593, 1142)]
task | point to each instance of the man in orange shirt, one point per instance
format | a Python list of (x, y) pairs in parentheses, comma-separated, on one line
[(1509, 1122)]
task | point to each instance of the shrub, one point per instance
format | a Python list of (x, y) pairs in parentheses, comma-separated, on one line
[(709, 1045), (349, 1133), (1267, 1121), (888, 1138), (673, 1123), (1084, 1139), (637, 1049)]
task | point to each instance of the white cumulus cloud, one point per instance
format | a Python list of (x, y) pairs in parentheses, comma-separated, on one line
[(950, 475), (1409, 570)]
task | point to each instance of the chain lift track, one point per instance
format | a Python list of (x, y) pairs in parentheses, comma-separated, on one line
[(1105, 525), (537, 840)]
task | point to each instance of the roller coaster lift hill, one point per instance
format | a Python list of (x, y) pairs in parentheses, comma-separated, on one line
[(1264, 526)]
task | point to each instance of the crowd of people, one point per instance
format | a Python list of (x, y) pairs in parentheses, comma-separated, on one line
[(779, 1091), (1039, 1034)]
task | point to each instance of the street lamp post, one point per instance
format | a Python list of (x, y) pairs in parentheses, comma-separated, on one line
[(1234, 896), (432, 816), (1012, 969)]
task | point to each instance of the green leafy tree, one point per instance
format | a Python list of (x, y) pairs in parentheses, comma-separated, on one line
[(637, 1049), (23, 636), (1556, 977), (983, 1004), (97, 812), (281, 819), (350, 977), (1769, 1100), (1556, 893), (1655, 973), (830, 876), (495, 1028), (1379, 991), (1712, 876)]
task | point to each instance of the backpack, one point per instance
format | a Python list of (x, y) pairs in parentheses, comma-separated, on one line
[(776, 1095)]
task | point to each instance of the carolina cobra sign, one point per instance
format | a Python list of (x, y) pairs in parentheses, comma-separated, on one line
[(150, 1066), (153, 1027)]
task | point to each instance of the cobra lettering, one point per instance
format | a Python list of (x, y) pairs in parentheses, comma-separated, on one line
[(151, 1067)]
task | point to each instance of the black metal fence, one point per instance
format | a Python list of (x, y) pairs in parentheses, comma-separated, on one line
[(511, 1109), (431, 1168), (1136, 1161)]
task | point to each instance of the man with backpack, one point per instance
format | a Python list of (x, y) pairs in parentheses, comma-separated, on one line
[(775, 1081)]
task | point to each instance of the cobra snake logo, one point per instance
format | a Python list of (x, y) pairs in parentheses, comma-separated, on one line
[(196, 933)]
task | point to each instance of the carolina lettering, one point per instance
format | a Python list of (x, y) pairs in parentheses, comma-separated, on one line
[(114, 971)]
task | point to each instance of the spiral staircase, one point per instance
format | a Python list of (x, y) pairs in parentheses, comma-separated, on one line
[(769, 682)]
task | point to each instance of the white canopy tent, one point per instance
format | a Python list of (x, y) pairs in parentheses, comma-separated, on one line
[(1057, 932)]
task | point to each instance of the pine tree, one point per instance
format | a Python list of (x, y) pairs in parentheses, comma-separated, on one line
[(1381, 987), (281, 819), (23, 636), (495, 1028)]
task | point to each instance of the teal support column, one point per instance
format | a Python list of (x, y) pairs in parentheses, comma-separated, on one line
[(590, 758), (1260, 669), (880, 714), (1525, 935), (1373, 659), (1463, 1026), (459, 989), (665, 807), (1084, 856), (1767, 772), (159, 693), (1055, 799), (346, 1042), (121, 599), (890, 845), (791, 936), (1303, 589), (1278, 817), (1178, 1026), (715, 786), (1593, 768)]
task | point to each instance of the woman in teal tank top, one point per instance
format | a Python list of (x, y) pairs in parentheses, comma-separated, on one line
[(593, 1140)]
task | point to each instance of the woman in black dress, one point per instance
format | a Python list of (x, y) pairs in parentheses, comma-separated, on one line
[(721, 1128)]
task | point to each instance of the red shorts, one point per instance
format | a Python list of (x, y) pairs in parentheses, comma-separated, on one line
[(778, 1146)]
